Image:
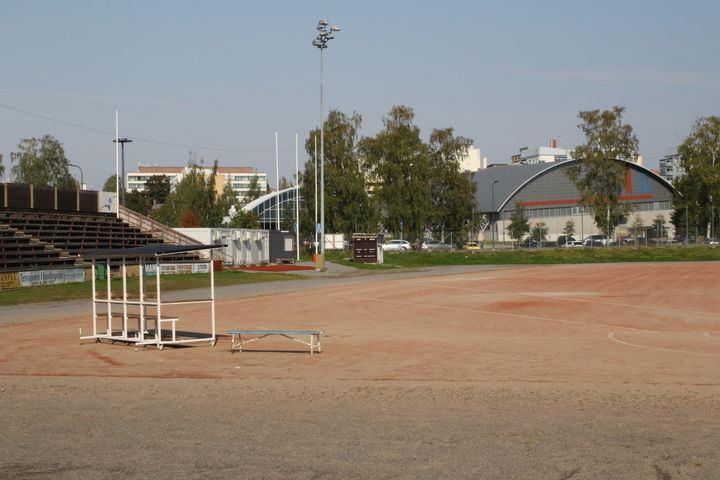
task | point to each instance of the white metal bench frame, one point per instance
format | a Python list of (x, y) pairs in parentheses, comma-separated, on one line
[(237, 342), (117, 307)]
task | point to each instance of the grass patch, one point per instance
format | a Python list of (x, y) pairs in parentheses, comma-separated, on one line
[(83, 290), (534, 257)]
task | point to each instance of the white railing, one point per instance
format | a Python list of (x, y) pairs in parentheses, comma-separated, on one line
[(167, 234), (155, 228)]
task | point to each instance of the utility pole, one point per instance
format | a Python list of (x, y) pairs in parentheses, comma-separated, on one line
[(122, 142)]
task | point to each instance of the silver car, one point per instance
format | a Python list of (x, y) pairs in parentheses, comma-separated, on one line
[(435, 246), (397, 246)]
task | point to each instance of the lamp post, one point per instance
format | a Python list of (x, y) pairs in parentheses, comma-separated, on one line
[(122, 142), (492, 214), (323, 37), (82, 183)]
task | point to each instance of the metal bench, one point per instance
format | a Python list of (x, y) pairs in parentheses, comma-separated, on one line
[(238, 342)]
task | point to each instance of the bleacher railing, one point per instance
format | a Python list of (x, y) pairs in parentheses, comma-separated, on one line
[(159, 230)]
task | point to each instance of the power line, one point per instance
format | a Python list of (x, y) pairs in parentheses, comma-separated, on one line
[(140, 139)]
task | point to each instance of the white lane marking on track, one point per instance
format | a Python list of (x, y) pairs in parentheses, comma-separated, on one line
[(611, 336), (490, 312)]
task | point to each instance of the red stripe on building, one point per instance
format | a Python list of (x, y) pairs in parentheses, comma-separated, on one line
[(575, 201), (628, 180)]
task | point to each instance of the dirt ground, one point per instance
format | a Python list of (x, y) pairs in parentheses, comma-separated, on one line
[(557, 372)]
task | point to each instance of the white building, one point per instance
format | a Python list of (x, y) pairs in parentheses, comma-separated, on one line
[(670, 166), (535, 155), (553, 153), (473, 160), (240, 178)]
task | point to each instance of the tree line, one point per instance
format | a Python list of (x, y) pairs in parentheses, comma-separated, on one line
[(396, 182), (392, 181)]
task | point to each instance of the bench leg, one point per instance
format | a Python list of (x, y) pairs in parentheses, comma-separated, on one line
[(233, 344)]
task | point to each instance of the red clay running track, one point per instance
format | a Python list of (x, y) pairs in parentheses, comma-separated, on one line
[(614, 323)]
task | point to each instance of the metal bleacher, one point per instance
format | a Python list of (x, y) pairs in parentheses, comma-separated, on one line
[(32, 239), (44, 227), (21, 251)]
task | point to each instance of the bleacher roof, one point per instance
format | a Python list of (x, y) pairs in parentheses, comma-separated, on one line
[(146, 251)]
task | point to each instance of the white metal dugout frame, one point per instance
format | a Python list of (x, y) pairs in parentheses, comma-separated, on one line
[(143, 309)]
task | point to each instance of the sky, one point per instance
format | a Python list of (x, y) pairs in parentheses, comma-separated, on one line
[(215, 79)]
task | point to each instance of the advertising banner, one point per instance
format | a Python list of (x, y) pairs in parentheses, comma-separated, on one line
[(50, 277), (178, 268)]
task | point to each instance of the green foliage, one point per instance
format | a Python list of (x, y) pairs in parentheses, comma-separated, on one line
[(539, 231), (195, 194), (254, 191), (2, 167), (110, 184), (391, 178), (227, 200), (287, 223), (399, 161), (41, 162), (138, 202), (598, 175), (519, 225), (347, 205), (569, 229), (637, 229), (658, 230), (538, 256), (452, 191), (284, 183), (83, 290), (157, 188), (700, 185), (243, 219)]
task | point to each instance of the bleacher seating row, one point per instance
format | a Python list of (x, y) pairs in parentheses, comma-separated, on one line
[(20, 251), (32, 239)]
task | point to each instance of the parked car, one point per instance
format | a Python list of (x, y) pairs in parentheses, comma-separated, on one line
[(530, 243), (435, 246), (397, 246), (713, 242), (473, 246), (564, 240), (574, 244), (596, 241)]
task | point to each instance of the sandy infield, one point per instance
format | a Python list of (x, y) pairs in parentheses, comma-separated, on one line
[(572, 371)]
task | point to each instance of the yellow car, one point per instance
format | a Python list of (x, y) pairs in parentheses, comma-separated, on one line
[(471, 246)]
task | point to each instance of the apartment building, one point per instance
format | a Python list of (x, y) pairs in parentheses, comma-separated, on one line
[(240, 178)]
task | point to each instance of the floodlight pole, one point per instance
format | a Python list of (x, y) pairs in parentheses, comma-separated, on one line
[(315, 189), (320, 42)]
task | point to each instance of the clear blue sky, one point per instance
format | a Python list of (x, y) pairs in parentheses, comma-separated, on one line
[(226, 74)]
